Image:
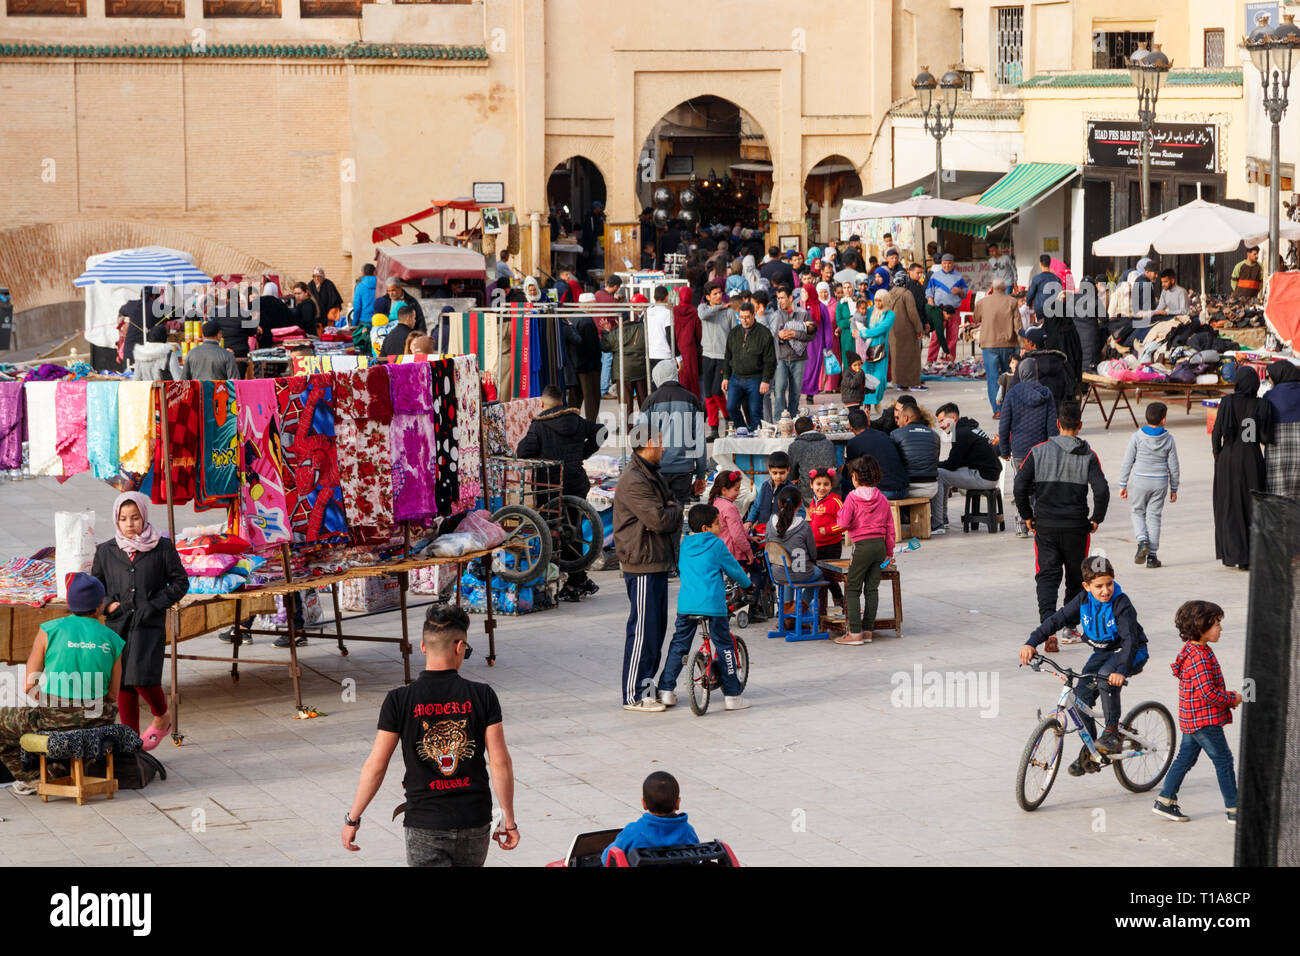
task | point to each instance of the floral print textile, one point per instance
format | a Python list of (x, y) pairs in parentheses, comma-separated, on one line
[(412, 442), (363, 415), (70, 427)]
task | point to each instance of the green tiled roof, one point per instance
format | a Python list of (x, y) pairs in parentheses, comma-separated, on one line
[(301, 51), (1103, 78), (983, 109)]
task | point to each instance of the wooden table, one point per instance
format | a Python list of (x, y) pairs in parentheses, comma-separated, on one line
[(1097, 382), (838, 570)]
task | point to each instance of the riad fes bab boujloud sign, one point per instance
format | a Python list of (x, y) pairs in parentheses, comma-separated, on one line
[(1180, 147)]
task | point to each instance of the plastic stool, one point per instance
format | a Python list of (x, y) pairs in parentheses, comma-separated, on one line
[(991, 516)]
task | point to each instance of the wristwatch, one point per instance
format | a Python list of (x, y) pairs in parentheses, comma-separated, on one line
[(348, 821)]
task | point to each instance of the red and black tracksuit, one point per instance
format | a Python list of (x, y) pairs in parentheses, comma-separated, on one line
[(1052, 489)]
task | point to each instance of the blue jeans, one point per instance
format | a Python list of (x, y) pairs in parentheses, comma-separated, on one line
[(1212, 740), (1103, 663), (744, 401), (996, 361), (724, 659), (789, 379), (606, 371)]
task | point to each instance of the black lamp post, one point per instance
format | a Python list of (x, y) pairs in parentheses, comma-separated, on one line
[(1146, 68), (1273, 53), (936, 123)]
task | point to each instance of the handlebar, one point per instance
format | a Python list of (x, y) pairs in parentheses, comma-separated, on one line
[(1038, 660)]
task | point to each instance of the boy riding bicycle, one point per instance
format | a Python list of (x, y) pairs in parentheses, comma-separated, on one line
[(1108, 620)]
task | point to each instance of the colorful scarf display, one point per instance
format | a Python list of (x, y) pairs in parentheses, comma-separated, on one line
[(185, 427), (412, 443), (363, 414), (43, 447), (70, 427), (102, 428), (446, 488), (306, 405), (134, 425), (13, 419), (468, 428), (265, 503), (219, 461)]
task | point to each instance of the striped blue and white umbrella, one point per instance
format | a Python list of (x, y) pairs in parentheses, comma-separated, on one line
[(143, 267)]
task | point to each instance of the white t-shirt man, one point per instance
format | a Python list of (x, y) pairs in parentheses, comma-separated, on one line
[(657, 319)]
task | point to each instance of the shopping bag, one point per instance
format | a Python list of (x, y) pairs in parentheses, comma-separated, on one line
[(74, 546)]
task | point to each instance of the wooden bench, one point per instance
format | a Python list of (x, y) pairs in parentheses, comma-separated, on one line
[(77, 785), (838, 570), (918, 515)]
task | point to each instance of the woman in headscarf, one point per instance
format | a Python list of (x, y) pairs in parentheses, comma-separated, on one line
[(1242, 426), (142, 576), (821, 310), (687, 332), (905, 337), (876, 343), (1284, 452), (844, 309), (736, 281), (749, 270)]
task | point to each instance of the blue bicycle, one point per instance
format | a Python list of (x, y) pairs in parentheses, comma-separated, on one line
[(1147, 731)]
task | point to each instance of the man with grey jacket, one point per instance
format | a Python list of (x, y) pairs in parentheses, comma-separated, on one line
[(1150, 469), (715, 323), (647, 522), (209, 361), (792, 330), (678, 416)]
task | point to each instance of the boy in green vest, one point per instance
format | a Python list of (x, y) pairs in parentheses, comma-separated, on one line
[(76, 665)]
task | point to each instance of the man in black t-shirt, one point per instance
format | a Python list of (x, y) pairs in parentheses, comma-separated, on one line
[(450, 731)]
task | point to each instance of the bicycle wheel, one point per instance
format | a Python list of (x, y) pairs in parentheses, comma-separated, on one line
[(1039, 764), (697, 685), (742, 662), (528, 544), (742, 618), (1153, 723), (582, 535)]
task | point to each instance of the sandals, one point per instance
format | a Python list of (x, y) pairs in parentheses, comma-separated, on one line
[(849, 638), (153, 737)]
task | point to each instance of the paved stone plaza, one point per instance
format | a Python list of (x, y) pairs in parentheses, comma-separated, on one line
[(824, 769)]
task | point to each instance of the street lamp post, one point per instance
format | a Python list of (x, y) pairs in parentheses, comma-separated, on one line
[(1273, 52), (1146, 67), (936, 123)]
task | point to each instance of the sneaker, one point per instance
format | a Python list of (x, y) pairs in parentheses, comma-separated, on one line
[(1143, 550), (934, 531), (283, 640), (1170, 810), (920, 388), (668, 698), (228, 637), (1153, 561), (1110, 743), (1080, 765), (1022, 532), (1231, 813), (1070, 636), (647, 705), (589, 587), (735, 703), (569, 593), (22, 788)]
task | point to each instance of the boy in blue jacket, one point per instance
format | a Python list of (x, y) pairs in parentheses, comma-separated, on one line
[(703, 567), (1110, 625), (661, 824), (778, 473)]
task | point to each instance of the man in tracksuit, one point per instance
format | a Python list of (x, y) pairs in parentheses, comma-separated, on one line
[(678, 415), (647, 522), (1055, 477), (715, 323)]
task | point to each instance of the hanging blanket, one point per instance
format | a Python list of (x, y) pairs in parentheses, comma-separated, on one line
[(219, 465), (102, 428), (264, 499), (306, 405), (43, 452), (411, 442), (363, 415), (185, 432), (13, 419), (468, 452), (70, 427), (135, 425), (446, 489)]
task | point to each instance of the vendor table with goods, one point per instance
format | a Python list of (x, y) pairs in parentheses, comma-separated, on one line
[(1097, 383), (748, 455)]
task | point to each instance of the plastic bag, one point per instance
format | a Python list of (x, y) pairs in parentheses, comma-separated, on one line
[(476, 532), (74, 546), (830, 364)]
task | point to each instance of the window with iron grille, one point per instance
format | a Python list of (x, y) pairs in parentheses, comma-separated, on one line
[(1214, 48), (1008, 39), (1112, 48)]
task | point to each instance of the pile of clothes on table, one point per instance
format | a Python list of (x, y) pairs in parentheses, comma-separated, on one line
[(27, 581), (971, 368), (1227, 312), (1166, 342)]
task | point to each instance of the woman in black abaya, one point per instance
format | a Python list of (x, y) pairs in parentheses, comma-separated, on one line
[(1243, 425)]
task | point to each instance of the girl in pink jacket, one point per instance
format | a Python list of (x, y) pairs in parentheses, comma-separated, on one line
[(723, 495), (867, 519)]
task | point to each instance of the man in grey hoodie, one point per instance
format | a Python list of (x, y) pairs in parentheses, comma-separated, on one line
[(715, 322), (1151, 461), (677, 415)]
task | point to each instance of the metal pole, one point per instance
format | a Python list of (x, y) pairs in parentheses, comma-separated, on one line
[(1274, 194), (1146, 169), (938, 163)]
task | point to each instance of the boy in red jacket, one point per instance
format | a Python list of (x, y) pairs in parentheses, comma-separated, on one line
[(1204, 707)]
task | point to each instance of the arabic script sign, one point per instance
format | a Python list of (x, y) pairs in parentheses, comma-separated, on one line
[(1182, 147)]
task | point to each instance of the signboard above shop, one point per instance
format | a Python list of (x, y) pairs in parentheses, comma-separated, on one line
[(1176, 147)]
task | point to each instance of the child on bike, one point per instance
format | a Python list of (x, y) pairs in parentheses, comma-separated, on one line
[(661, 824), (867, 520), (1109, 624), (703, 567), (723, 495), (778, 471), (1205, 706)]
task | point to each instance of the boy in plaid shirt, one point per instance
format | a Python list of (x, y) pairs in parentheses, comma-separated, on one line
[(1204, 706)]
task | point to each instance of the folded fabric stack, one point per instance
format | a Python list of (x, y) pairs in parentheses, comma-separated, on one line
[(216, 563), (961, 368), (27, 581)]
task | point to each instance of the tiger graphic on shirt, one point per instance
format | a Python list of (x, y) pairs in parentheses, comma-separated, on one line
[(445, 744)]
